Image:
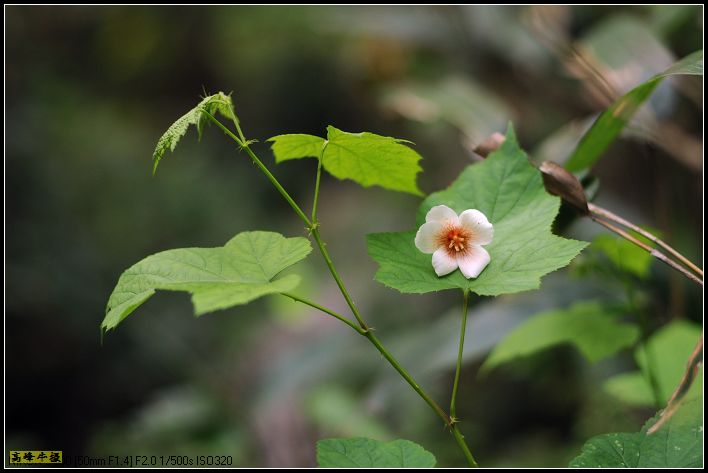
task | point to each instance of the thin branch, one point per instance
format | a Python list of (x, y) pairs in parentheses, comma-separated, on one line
[(684, 385), (325, 310), (458, 368), (652, 251), (601, 212)]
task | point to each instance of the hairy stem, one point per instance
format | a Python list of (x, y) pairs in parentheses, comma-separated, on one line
[(243, 144), (463, 446), (459, 438), (342, 288), (453, 401), (405, 375)]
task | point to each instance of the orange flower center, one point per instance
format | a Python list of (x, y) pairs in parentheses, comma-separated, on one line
[(455, 240)]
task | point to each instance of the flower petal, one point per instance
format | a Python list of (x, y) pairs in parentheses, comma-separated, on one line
[(476, 222), (426, 240), (473, 262), (443, 263), (442, 214)]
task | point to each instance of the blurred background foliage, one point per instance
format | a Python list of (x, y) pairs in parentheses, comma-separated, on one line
[(88, 92)]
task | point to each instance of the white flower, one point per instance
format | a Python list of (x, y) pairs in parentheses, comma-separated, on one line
[(456, 241)]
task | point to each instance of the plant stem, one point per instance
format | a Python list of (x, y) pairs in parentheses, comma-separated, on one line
[(325, 310), (652, 251), (459, 438), (244, 145), (684, 385), (643, 320), (342, 288), (317, 183), (363, 327), (601, 212), (409, 379), (453, 401), (463, 446)]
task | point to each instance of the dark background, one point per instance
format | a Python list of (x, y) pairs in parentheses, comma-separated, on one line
[(88, 92)]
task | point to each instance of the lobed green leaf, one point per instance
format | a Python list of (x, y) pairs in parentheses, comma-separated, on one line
[(589, 326), (365, 158), (510, 192), (242, 270), (677, 444), (368, 453), (665, 354)]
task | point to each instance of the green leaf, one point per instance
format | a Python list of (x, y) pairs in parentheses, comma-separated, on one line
[(613, 120), (336, 409), (666, 354), (589, 326), (677, 444), (218, 103), (368, 453), (626, 256), (366, 158), (242, 270), (631, 388), (296, 146), (510, 192)]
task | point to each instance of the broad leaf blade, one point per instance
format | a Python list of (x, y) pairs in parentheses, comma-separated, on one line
[(370, 159), (218, 103), (510, 192), (242, 270), (365, 158), (624, 255), (677, 444), (589, 326), (613, 120), (666, 352), (631, 388), (368, 453), (296, 146)]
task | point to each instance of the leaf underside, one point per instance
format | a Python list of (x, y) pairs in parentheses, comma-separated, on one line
[(242, 270)]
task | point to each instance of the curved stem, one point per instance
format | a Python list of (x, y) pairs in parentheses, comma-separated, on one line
[(459, 438), (325, 310), (244, 145), (652, 251), (409, 379), (453, 401), (338, 280), (597, 210)]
